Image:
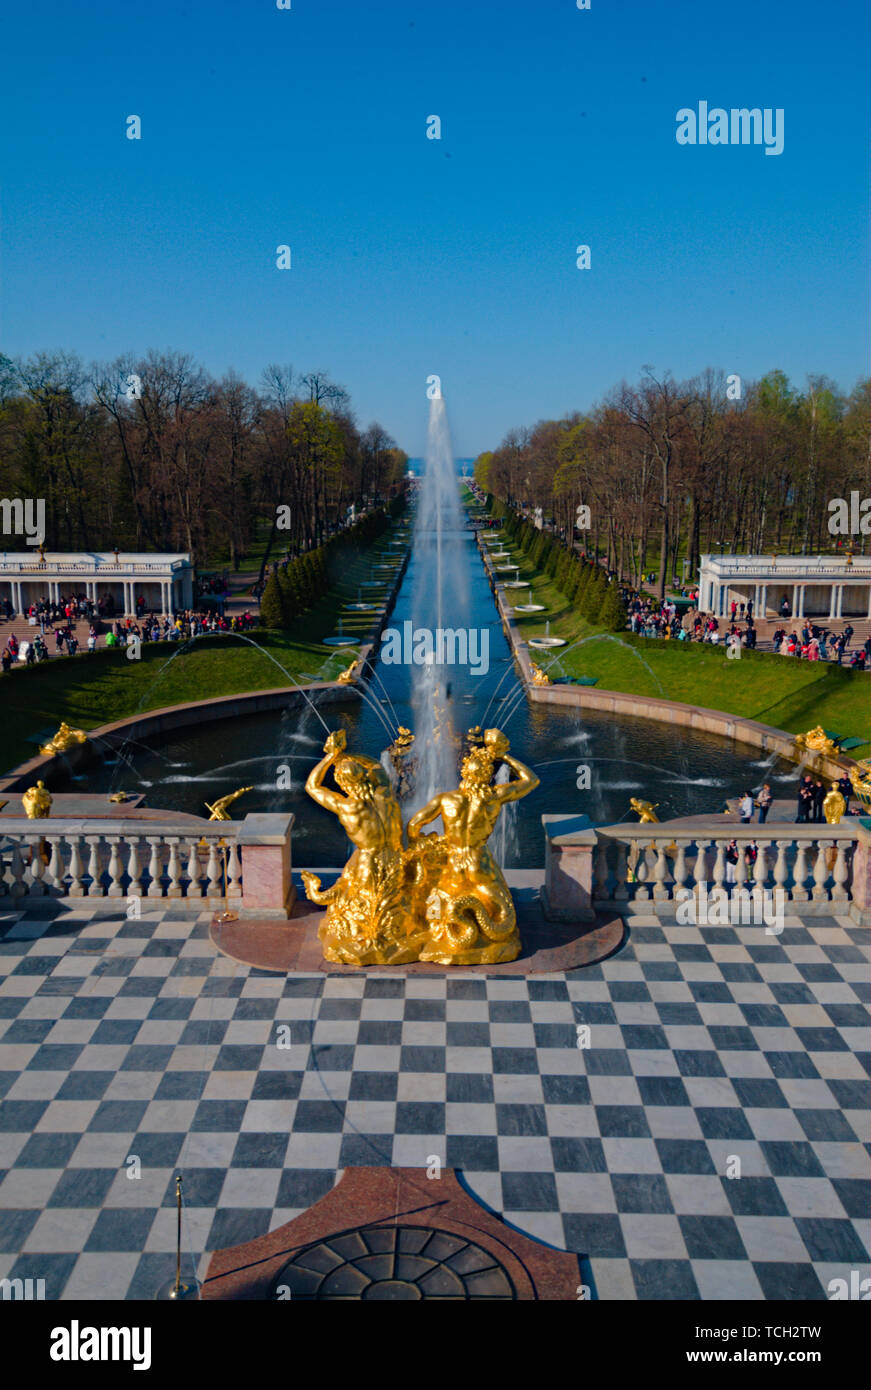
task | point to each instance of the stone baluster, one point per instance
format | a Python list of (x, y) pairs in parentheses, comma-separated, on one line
[(700, 869), (799, 892), (781, 867), (600, 872), (195, 888), (821, 872), (720, 867), (213, 871), (155, 868), (174, 868), (760, 868), (54, 875), (95, 887), (660, 873), (234, 870), (116, 889), (38, 887), (17, 888), (621, 892), (76, 869), (680, 866), (840, 874), (642, 892), (134, 868), (741, 869)]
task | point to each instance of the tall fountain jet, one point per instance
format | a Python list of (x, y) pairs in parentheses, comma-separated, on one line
[(440, 600)]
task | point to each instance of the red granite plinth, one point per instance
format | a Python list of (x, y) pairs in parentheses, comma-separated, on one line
[(292, 946), (376, 1215)]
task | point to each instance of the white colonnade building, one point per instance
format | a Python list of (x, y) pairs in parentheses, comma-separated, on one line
[(163, 582), (814, 586)]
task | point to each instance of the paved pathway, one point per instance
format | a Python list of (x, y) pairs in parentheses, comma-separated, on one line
[(134, 1038)]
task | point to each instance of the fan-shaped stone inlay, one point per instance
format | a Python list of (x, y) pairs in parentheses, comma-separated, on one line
[(394, 1264)]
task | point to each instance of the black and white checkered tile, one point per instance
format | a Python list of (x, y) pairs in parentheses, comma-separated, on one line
[(130, 1047)]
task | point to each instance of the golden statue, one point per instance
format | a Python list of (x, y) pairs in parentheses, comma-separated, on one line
[(118, 797), (466, 900), (816, 741), (346, 677), (860, 776), (368, 919), (219, 809), (404, 765), (834, 805), (37, 802), (539, 677), (646, 810), (64, 739)]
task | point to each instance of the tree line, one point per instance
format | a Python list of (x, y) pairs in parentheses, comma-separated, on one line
[(153, 453), (583, 582), (679, 469)]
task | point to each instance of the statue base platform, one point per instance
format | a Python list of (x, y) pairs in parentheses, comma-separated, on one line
[(292, 945)]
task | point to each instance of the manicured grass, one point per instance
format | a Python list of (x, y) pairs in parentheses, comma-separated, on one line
[(784, 692), (88, 691)]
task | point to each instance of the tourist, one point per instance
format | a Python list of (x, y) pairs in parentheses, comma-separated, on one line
[(763, 801), (818, 796), (731, 861), (92, 640), (745, 808), (805, 799), (6, 660)]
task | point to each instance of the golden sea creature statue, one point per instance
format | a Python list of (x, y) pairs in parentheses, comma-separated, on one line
[(118, 797), (404, 765), (37, 802), (816, 741), (646, 810), (346, 677), (368, 919), (64, 739), (834, 805), (219, 809), (539, 677), (468, 904)]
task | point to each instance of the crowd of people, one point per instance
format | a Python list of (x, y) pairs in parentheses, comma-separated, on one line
[(185, 625)]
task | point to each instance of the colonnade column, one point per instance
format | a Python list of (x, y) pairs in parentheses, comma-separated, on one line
[(763, 600)]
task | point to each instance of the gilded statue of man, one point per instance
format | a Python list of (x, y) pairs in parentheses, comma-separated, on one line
[(468, 903), (368, 920)]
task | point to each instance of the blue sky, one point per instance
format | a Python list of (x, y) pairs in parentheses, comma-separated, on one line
[(414, 256)]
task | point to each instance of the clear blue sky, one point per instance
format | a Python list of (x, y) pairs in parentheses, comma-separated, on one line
[(457, 257)]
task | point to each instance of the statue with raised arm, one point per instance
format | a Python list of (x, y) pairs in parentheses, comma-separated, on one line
[(464, 896), (368, 919)]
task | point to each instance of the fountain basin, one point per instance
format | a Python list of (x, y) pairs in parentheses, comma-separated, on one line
[(516, 584), (341, 641), (545, 642), (529, 608)]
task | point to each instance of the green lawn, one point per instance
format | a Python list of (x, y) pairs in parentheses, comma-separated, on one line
[(88, 691), (786, 693)]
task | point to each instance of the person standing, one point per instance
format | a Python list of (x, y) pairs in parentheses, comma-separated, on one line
[(805, 800), (745, 807), (845, 787), (818, 796), (763, 801)]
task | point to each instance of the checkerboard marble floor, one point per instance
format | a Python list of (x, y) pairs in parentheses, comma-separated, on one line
[(133, 1040)]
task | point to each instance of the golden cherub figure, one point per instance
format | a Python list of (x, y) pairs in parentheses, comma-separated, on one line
[(467, 902), (37, 802), (64, 739), (539, 677), (646, 810), (219, 809)]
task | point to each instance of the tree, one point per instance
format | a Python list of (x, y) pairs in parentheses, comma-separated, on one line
[(272, 613), (612, 613)]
